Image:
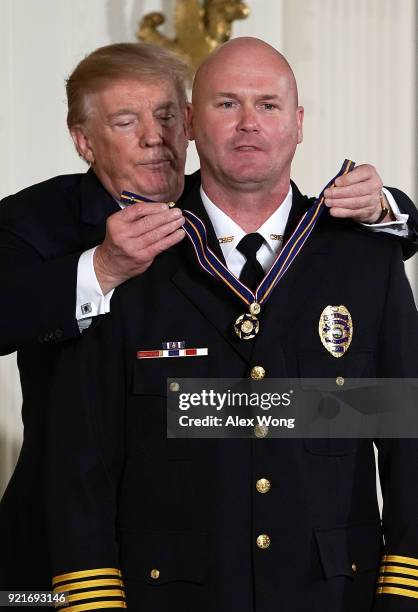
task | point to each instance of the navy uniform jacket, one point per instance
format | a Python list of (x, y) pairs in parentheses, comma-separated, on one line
[(173, 524), (43, 231)]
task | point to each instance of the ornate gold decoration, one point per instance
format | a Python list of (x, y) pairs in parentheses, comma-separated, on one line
[(200, 27), (336, 329), (246, 326)]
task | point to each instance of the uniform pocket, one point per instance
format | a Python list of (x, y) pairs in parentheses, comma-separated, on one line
[(349, 550), (163, 558), (146, 431), (150, 375)]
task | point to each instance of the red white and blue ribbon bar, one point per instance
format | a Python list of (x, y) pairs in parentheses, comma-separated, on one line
[(155, 354)]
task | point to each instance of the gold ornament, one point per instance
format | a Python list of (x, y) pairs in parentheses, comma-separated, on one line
[(199, 27)]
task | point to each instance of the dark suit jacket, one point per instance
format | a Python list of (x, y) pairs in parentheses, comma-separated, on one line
[(180, 518), (43, 231)]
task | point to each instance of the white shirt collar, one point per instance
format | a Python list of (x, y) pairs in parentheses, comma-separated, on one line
[(224, 226)]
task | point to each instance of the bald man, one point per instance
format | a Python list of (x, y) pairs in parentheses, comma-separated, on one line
[(257, 524)]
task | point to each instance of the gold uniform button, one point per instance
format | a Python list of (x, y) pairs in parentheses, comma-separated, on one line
[(174, 386), (263, 485), (354, 567), (261, 431), (263, 541), (155, 574), (340, 381), (257, 373)]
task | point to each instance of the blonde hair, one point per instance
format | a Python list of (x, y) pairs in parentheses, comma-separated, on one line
[(122, 60)]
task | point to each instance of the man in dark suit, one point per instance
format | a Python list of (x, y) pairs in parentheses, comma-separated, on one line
[(133, 136), (257, 524)]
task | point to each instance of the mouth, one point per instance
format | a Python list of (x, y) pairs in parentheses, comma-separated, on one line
[(155, 163), (247, 148)]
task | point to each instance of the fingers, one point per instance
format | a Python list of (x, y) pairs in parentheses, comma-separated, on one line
[(363, 180), (156, 233), (354, 203), (132, 238), (124, 226), (356, 195), (151, 222), (165, 243), (137, 211), (364, 215)]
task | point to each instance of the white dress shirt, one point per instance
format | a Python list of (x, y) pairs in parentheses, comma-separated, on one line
[(225, 227)]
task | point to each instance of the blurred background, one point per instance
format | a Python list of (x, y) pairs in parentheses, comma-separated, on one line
[(356, 66)]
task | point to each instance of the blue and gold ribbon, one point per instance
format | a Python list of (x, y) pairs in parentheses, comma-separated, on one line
[(247, 325)]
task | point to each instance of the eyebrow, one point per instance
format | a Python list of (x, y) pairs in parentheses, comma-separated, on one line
[(130, 111), (227, 94)]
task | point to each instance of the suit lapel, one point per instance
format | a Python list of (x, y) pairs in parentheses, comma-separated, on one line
[(95, 207)]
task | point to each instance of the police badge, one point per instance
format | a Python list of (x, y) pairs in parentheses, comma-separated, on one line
[(336, 329)]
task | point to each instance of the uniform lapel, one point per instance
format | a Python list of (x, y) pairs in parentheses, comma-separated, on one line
[(221, 307), (296, 287), (210, 296)]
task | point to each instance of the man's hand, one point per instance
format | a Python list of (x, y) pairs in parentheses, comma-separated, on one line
[(356, 195), (135, 235)]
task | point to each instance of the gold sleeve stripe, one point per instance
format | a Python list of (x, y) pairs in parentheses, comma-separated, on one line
[(95, 605), (387, 591), (73, 586), (110, 571), (98, 593), (398, 580), (398, 569), (398, 559)]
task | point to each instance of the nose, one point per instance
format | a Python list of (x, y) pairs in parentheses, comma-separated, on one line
[(248, 120), (150, 132)]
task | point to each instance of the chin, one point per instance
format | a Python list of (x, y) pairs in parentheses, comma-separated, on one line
[(248, 177), (155, 190)]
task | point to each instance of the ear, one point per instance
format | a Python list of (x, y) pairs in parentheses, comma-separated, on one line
[(81, 141), (300, 112), (190, 132)]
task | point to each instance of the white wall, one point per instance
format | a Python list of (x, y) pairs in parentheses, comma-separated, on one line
[(354, 62)]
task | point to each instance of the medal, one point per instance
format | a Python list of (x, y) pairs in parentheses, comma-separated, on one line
[(247, 325)]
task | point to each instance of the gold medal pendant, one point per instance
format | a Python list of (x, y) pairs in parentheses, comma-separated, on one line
[(247, 325), (255, 308)]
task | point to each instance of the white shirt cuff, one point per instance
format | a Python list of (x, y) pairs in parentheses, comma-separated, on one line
[(399, 226), (90, 299)]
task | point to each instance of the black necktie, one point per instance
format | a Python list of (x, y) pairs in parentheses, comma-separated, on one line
[(252, 272)]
